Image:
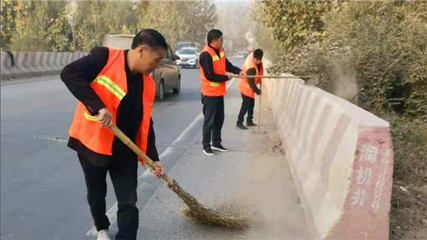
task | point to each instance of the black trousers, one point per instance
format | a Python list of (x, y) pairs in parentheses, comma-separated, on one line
[(123, 174), (213, 110), (247, 106)]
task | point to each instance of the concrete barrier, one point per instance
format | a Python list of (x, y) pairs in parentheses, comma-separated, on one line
[(28, 64), (341, 159)]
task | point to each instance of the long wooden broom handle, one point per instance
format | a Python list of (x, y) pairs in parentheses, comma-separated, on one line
[(259, 108), (269, 76), (118, 133)]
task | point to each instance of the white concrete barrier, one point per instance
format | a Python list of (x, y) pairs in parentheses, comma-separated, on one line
[(27, 64), (341, 158)]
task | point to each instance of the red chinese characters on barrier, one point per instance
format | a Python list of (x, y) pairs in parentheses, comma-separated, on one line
[(368, 202)]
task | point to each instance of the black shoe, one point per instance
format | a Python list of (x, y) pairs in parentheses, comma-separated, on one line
[(208, 151), (251, 124), (219, 147), (240, 125)]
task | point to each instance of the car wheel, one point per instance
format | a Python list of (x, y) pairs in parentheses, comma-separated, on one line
[(178, 86), (161, 90)]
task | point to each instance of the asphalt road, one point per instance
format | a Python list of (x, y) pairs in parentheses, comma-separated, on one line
[(42, 184), (43, 195)]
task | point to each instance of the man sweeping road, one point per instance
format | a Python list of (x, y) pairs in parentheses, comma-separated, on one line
[(113, 86), (213, 68), (248, 87)]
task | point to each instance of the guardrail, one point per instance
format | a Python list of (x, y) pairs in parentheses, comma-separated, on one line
[(340, 156), (28, 64)]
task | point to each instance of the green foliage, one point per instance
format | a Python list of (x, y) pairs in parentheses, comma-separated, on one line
[(387, 45), (380, 46), (164, 17), (200, 16), (294, 34), (179, 21), (294, 22), (265, 41), (9, 10), (93, 19), (383, 47), (81, 25), (37, 26)]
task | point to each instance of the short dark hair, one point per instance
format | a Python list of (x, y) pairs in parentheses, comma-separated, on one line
[(214, 34), (258, 53), (150, 37)]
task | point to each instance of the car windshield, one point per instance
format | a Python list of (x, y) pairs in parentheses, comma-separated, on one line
[(187, 51), (184, 44)]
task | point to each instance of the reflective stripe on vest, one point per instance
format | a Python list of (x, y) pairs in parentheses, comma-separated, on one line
[(111, 86), (209, 88), (89, 117)]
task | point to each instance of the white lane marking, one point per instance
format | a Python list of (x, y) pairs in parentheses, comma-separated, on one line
[(112, 212)]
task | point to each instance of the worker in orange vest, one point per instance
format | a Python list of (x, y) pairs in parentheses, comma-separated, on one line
[(213, 68), (114, 86), (248, 87)]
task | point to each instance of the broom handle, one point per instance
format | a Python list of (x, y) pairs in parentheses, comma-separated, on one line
[(191, 202), (259, 107), (268, 76), (118, 133)]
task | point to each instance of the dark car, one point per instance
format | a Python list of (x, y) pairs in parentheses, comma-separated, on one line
[(167, 75)]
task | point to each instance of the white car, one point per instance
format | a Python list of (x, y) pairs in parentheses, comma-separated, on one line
[(188, 56)]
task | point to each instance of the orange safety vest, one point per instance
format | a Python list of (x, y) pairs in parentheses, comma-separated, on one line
[(209, 88), (111, 86), (244, 87)]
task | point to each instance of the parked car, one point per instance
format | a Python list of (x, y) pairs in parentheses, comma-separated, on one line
[(167, 75), (188, 57), (180, 45)]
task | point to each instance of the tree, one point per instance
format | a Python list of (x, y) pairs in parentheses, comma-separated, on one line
[(178, 21), (40, 26), (293, 23), (200, 16), (164, 17), (81, 25), (94, 19), (235, 21), (391, 64), (9, 11)]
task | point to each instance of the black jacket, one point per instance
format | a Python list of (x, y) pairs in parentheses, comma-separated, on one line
[(205, 61)]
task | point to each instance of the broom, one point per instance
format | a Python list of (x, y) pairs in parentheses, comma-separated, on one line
[(196, 210)]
